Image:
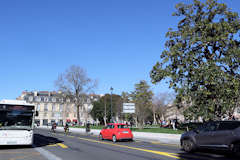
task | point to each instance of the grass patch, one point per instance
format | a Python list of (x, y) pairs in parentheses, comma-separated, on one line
[(151, 130), (92, 127), (158, 130)]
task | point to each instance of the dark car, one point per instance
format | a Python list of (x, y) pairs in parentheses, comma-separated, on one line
[(213, 135)]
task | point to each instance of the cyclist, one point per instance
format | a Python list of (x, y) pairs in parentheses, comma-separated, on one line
[(66, 128), (54, 126)]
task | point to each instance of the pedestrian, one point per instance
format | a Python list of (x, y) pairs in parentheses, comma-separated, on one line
[(173, 124)]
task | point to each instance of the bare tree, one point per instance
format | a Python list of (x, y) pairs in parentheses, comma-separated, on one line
[(160, 104), (75, 84)]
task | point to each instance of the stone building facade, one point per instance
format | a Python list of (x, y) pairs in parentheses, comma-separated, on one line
[(53, 107)]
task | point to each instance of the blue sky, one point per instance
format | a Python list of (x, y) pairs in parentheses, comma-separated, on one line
[(116, 41)]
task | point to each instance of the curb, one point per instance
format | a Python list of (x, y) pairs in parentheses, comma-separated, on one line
[(173, 139)]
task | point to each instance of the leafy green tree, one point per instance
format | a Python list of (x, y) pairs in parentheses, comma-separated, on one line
[(142, 97), (202, 59), (125, 97), (104, 104), (98, 111)]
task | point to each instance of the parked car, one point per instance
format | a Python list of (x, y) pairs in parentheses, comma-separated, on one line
[(217, 135), (116, 132)]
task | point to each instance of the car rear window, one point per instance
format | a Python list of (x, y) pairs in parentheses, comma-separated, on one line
[(110, 126), (228, 125), (122, 126)]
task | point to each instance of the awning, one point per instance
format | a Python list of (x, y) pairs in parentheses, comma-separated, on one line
[(68, 120), (74, 120)]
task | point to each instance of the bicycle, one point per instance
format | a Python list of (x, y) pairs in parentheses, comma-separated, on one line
[(66, 130), (54, 127)]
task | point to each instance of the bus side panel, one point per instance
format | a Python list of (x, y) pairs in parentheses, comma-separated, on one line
[(16, 137)]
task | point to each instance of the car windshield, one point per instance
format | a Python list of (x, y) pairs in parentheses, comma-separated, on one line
[(122, 126), (15, 119)]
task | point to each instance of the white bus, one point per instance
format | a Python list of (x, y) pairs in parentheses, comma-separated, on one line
[(16, 122)]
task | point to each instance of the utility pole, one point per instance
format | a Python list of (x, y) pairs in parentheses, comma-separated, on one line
[(105, 111), (111, 104)]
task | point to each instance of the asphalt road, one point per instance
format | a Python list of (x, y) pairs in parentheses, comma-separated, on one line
[(59, 146)]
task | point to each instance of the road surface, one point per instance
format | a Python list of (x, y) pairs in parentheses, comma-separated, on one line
[(59, 146)]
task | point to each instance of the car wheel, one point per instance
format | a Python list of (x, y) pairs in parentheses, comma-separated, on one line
[(114, 139), (100, 137), (188, 145)]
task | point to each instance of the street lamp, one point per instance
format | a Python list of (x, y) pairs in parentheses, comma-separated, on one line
[(111, 102)]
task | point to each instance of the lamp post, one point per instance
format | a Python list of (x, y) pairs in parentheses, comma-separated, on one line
[(111, 103)]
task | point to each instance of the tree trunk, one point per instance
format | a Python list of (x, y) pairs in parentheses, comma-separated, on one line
[(154, 114), (78, 115), (105, 121), (154, 118), (136, 121), (86, 116)]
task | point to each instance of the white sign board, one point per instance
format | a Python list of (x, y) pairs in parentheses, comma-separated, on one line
[(128, 107)]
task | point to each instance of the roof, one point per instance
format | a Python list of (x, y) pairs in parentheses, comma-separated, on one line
[(15, 102)]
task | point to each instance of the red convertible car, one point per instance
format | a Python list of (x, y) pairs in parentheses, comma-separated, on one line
[(116, 132)]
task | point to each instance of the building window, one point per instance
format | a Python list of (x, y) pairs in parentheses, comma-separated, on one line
[(42, 99), (88, 100), (45, 99), (45, 122), (67, 114), (61, 100), (45, 107), (60, 107), (38, 107), (30, 98), (45, 114), (38, 99), (53, 99), (74, 109), (53, 115), (53, 107), (53, 121)]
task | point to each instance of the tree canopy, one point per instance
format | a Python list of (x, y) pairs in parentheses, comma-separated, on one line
[(201, 59), (98, 111), (75, 83), (142, 97)]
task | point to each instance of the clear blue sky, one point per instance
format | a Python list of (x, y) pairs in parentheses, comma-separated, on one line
[(116, 41)]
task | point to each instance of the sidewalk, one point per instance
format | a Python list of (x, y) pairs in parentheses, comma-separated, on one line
[(144, 136)]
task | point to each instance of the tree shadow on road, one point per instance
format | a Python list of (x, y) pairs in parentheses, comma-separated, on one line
[(39, 141)]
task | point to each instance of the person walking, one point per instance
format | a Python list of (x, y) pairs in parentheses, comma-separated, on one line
[(173, 124)]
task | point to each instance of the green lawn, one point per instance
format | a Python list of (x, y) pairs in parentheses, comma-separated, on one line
[(153, 130), (158, 130), (92, 127)]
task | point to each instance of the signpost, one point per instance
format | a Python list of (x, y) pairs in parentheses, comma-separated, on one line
[(128, 107)]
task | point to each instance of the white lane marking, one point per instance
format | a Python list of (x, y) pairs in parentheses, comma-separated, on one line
[(47, 154)]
